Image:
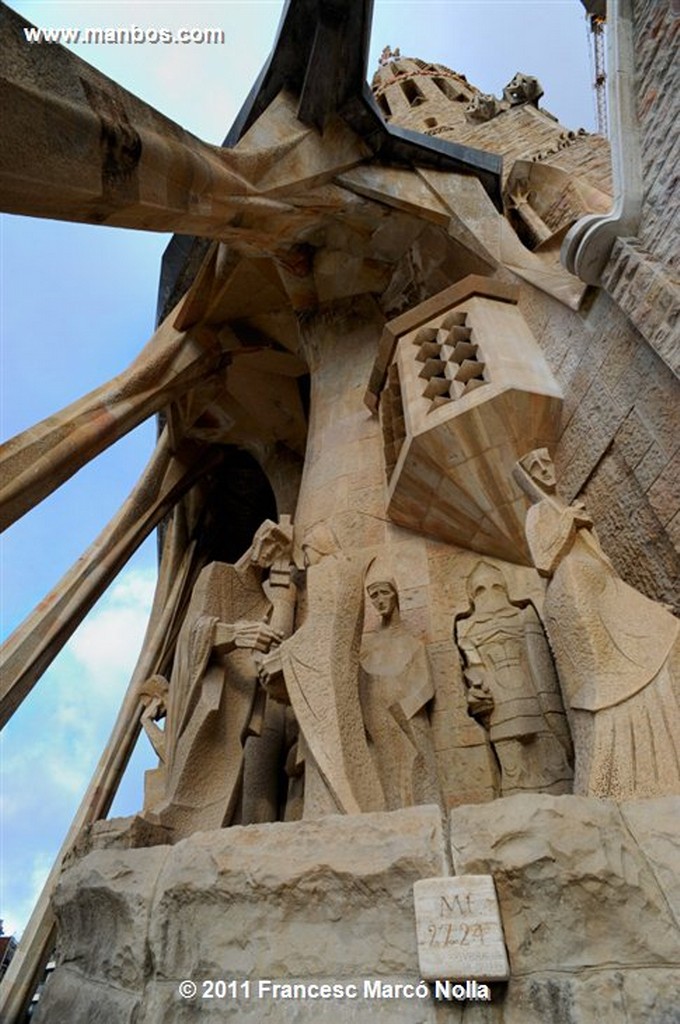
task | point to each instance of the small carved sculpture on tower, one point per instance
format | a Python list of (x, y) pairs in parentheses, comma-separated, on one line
[(482, 107), (617, 652), (512, 689), (395, 688), (522, 89), (388, 55)]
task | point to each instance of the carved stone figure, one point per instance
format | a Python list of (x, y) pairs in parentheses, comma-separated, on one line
[(617, 652), (482, 107), (523, 89), (316, 671), (395, 687), (512, 689), (154, 696), (214, 705)]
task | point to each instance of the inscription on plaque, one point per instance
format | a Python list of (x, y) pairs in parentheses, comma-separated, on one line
[(459, 929)]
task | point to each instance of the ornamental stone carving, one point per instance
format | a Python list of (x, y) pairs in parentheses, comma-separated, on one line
[(511, 686), (396, 687), (465, 387), (213, 704), (617, 652)]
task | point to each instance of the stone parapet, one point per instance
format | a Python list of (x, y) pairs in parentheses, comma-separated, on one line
[(589, 901)]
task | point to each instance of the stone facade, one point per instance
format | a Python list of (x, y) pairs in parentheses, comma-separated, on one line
[(331, 902), (363, 551), (642, 275)]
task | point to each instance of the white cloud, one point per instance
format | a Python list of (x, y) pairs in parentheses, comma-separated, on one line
[(18, 908), (107, 644), (52, 745)]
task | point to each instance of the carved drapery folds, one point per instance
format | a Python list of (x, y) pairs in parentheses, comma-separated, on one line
[(617, 652), (213, 704), (396, 687)]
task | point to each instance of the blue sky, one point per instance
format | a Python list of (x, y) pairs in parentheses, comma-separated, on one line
[(77, 304)]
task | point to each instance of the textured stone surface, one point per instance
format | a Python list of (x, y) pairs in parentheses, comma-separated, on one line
[(591, 934), (300, 276), (329, 900), (459, 928), (588, 893)]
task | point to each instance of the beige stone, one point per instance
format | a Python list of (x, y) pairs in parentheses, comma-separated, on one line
[(236, 614), (331, 249), (611, 909), (395, 689), (340, 889), (459, 929), (512, 688), (617, 653), (467, 394)]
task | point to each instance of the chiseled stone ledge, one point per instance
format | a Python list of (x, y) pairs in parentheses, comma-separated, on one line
[(589, 897)]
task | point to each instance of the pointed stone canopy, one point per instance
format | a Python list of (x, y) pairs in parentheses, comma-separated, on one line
[(326, 69)]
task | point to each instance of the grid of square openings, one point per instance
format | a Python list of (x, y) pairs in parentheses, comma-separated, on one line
[(453, 365)]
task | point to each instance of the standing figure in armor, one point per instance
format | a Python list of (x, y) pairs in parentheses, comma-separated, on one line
[(512, 688)]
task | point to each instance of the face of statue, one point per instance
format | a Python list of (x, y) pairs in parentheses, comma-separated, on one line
[(487, 589), (319, 542), (541, 468), (310, 555), (383, 597), (522, 89), (270, 543)]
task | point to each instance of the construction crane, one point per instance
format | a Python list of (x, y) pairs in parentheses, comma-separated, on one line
[(597, 23)]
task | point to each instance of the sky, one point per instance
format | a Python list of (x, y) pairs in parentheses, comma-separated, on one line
[(77, 303)]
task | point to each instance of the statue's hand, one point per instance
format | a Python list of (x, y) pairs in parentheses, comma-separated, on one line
[(256, 636), (581, 517), (154, 709), (479, 697), (270, 674)]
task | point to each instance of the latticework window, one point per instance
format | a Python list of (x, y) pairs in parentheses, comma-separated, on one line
[(452, 362)]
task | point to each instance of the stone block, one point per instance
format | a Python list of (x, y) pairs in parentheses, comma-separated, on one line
[(459, 929), (68, 996), (664, 493), (226, 898), (575, 887), (103, 905)]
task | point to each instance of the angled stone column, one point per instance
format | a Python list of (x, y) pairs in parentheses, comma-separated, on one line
[(40, 459), (37, 942), (37, 641), (77, 146)]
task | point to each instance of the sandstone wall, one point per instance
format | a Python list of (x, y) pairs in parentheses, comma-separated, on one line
[(620, 444), (657, 74), (588, 892), (642, 274)]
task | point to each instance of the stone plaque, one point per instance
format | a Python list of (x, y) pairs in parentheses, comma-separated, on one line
[(459, 929)]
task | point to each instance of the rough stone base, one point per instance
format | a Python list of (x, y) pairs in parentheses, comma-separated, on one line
[(589, 894)]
